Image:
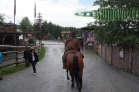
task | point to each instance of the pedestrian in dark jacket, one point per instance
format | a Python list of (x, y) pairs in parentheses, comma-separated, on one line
[(26, 55), (33, 59)]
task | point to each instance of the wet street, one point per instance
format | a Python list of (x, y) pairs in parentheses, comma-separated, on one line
[(98, 75)]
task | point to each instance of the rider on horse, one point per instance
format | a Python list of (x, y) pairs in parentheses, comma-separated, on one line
[(71, 45)]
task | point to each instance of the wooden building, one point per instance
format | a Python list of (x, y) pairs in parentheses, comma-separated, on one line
[(65, 33), (9, 35)]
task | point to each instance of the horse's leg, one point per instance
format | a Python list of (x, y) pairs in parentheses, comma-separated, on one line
[(81, 82), (67, 75), (72, 81)]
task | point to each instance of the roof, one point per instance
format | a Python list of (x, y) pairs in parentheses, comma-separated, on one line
[(66, 32), (9, 33), (9, 24)]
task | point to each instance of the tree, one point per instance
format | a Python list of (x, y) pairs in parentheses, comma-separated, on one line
[(25, 25), (53, 30), (1, 19), (45, 27), (38, 23), (123, 32)]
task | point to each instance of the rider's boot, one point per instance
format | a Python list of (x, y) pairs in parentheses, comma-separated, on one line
[(82, 55), (64, 65)]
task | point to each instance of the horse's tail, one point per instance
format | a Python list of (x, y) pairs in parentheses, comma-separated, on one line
[(76, 71)]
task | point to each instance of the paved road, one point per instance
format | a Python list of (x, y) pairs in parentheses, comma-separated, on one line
[(98, 75)]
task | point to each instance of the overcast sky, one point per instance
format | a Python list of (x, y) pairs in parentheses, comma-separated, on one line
[(60, 12)]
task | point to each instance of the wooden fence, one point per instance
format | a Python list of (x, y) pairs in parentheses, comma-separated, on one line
[(15, 57), (127, 59)]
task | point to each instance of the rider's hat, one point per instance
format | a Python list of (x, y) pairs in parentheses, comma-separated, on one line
[(73, 34)]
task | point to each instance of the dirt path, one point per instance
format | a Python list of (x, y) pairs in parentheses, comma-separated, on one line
[(98, 75)]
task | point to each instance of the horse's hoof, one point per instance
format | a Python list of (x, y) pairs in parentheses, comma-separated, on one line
[(68, 78)]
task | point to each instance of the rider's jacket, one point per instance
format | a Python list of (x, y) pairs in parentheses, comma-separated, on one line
[(72, 44)]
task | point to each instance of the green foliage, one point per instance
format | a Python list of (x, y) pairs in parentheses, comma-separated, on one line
[(53, 30), (124, 33), (1, 19), (129, 41), (45, 27), (42, 53), (51, 37), (25, 25), (12, 69)]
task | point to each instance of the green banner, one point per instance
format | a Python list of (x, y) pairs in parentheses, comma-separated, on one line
[(87, 14), (112, 14)]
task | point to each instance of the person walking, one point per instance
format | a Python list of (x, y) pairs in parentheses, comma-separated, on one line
[(96, 47), (26, 55), (33, 59)]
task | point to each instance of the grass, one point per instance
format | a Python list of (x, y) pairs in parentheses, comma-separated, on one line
[(12, 69), (42, 53), (95, 52)]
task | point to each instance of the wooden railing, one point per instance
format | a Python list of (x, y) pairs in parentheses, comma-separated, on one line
[(15, 57)]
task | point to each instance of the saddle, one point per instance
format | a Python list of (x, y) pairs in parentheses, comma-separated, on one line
[(71, 51)]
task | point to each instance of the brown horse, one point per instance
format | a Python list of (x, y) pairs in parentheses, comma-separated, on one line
[(75, 67)]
